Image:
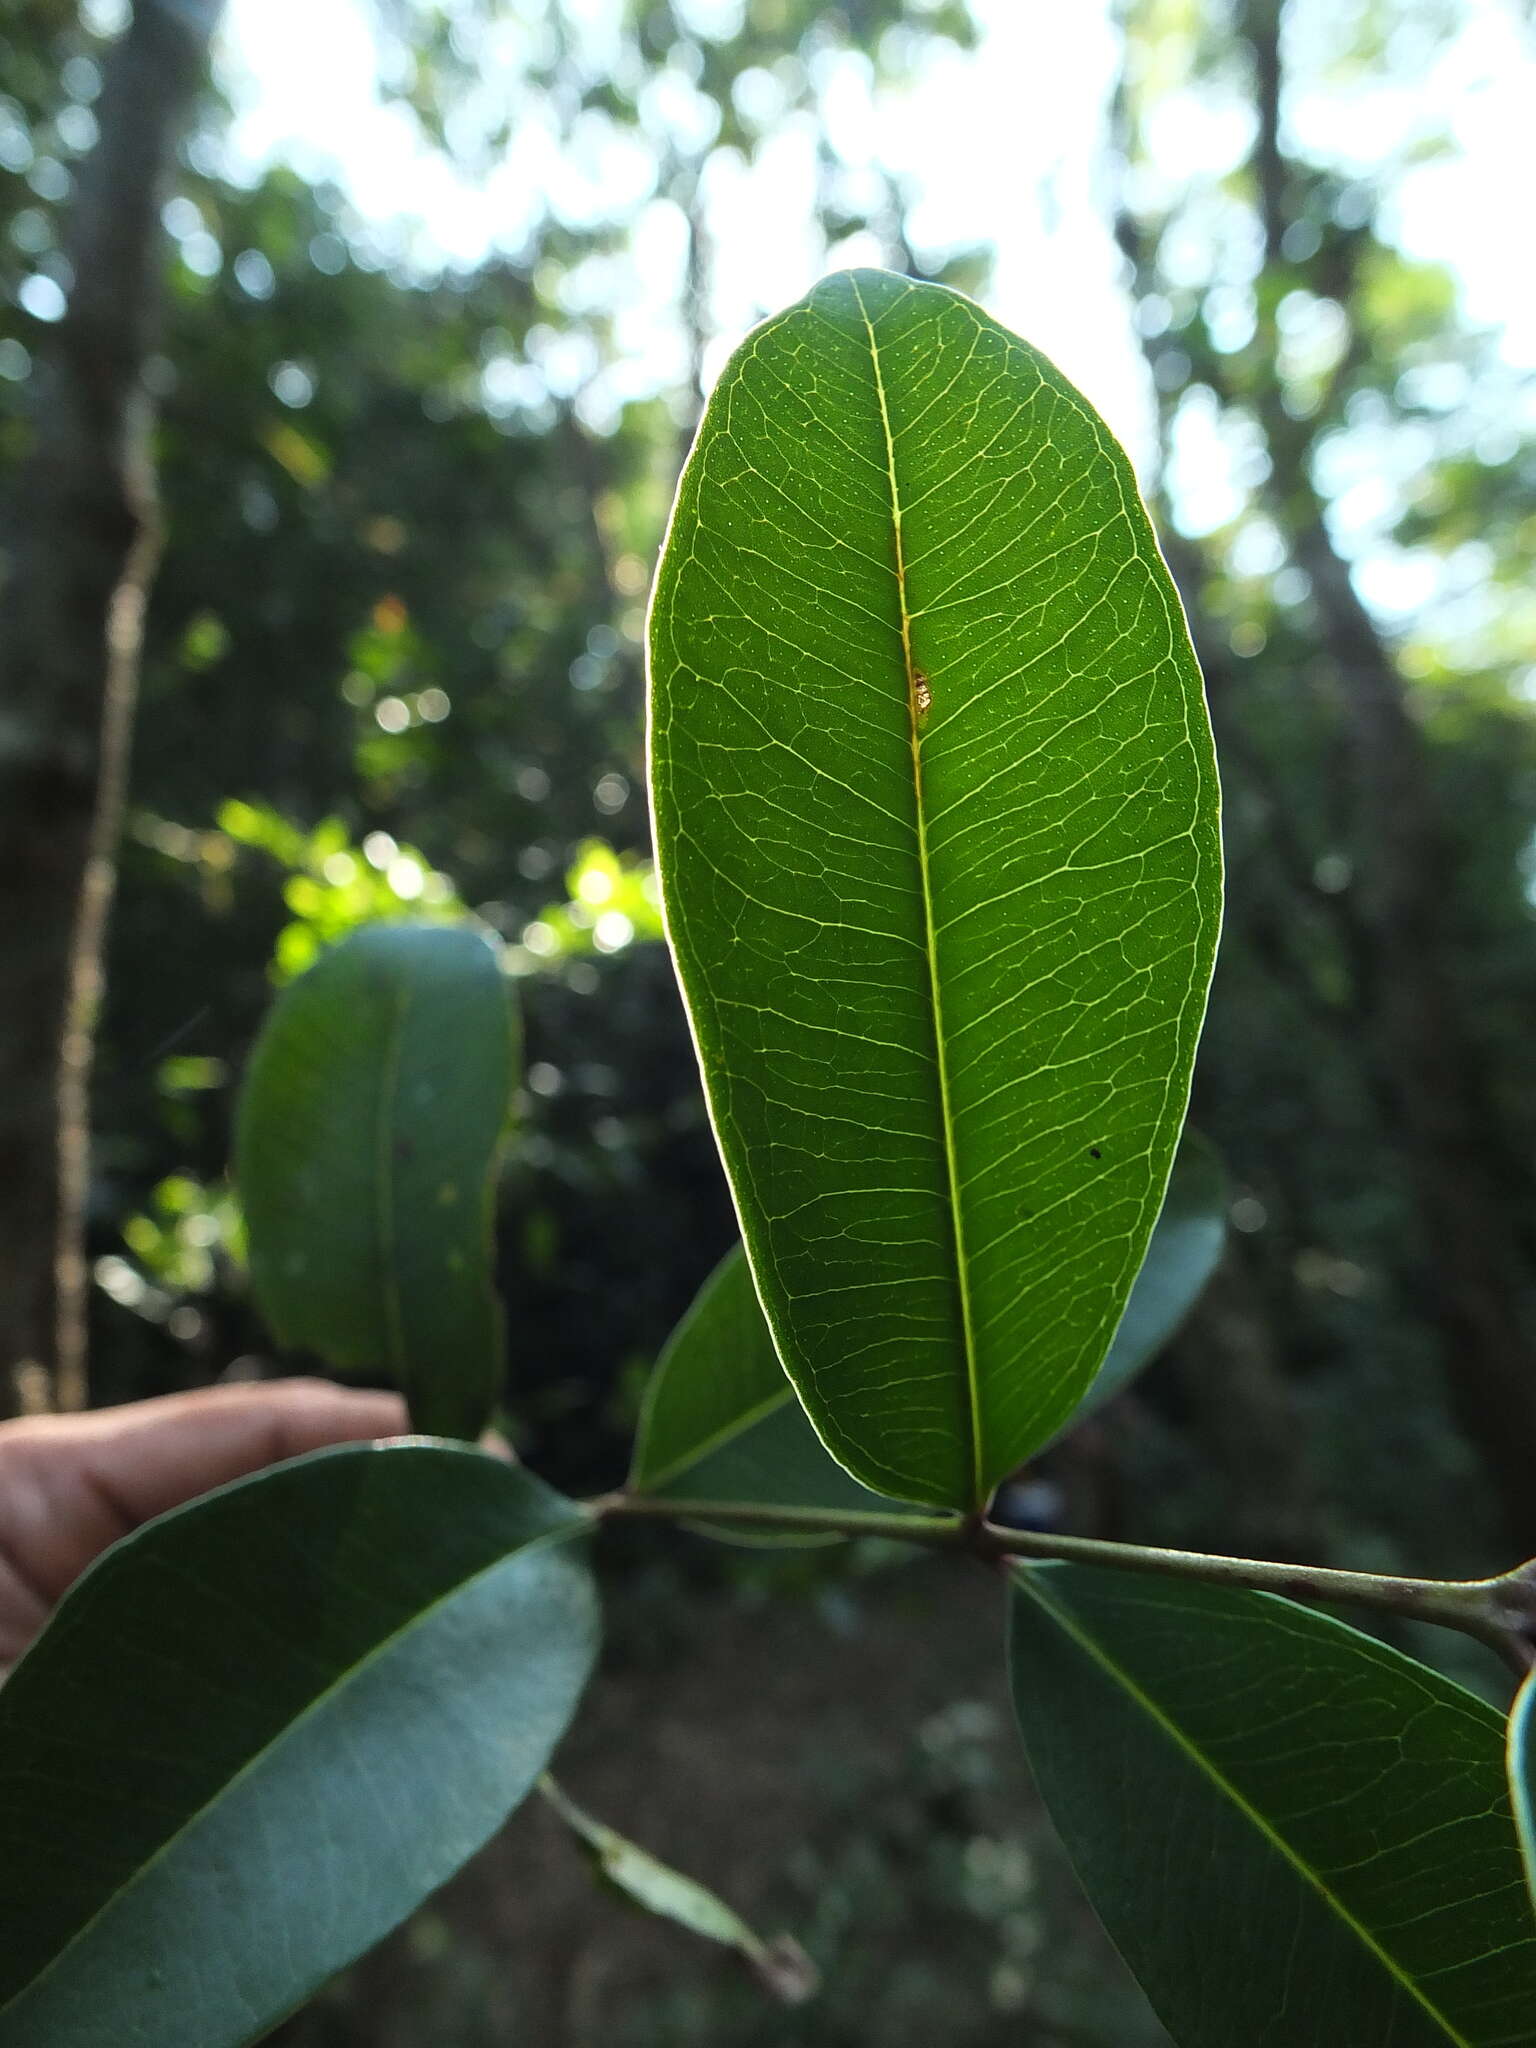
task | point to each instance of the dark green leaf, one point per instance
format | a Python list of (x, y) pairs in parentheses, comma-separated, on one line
[(1297, 1837), (655, 1886), (721, 1422), (1522, 1775), (258, 1732), (1184, 1251), (936, 815), (372, 1112)]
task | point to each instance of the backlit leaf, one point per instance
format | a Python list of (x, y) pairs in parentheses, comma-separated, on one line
[(937, 826), (1184, 1251)]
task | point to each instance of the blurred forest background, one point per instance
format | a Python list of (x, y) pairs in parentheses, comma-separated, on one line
[(411, 403)]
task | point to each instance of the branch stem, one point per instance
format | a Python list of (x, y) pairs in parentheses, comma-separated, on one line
[(1475, 1606), (1500, 1611), (933, 1532)]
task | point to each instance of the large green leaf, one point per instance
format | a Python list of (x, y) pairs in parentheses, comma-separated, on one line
[(1184, 1251), (258, 1732), (1297, 1837), (373, 1107), (1522, 1775), (936, 816)]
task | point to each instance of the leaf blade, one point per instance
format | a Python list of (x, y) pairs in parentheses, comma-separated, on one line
[(369, 1123), (1304, 1834), (354, 1619), (1183, 1252), (842, 741)]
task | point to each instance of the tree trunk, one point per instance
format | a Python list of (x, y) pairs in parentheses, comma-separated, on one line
[(80, 542), (1428, 1066)]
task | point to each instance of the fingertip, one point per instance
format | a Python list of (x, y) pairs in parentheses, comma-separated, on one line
[(323, 1411)]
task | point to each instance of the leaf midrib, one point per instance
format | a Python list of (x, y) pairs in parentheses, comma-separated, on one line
[(348, 1676), (1027, 1583), (930, 942)]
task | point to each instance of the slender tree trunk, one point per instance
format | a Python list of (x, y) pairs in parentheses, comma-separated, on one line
[(1393, 928), (1429, 1067), (1476, 1284), (81, 538)]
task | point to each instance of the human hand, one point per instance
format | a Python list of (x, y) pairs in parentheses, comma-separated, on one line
[(72, 1484)]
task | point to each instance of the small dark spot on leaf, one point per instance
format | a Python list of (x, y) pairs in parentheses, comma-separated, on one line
[(1094, 1152)]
